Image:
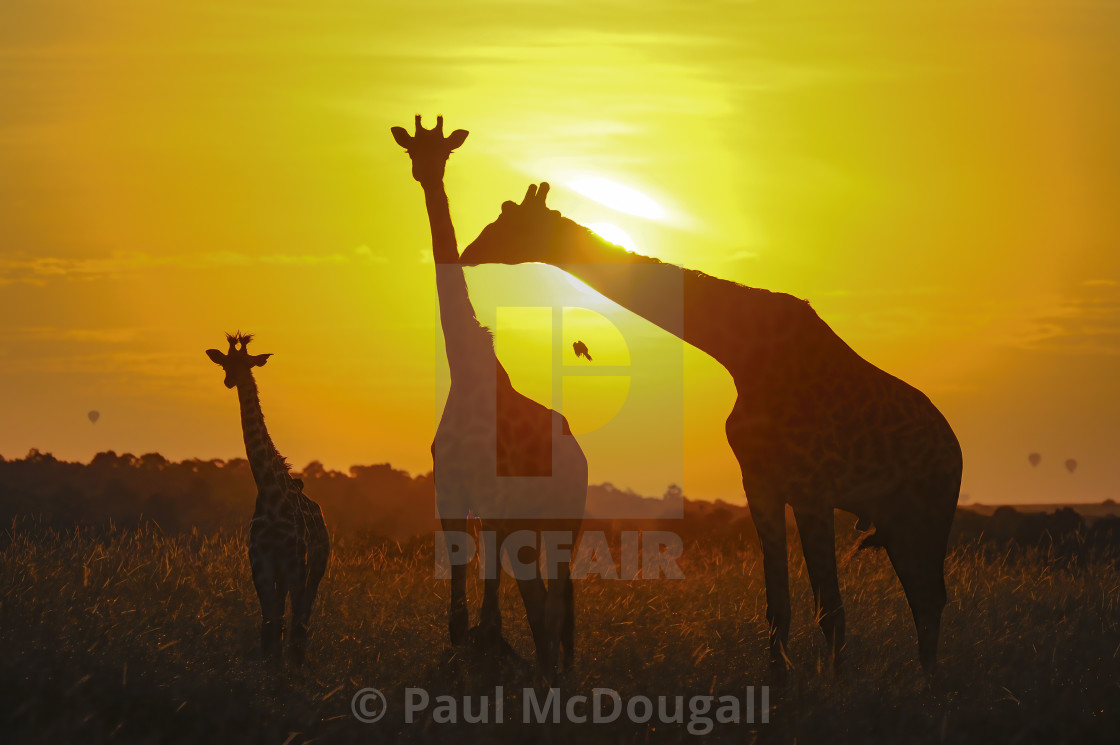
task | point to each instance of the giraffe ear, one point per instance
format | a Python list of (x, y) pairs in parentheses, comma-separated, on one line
[(400, 134), (216, 357), (258, 360), (457, 138)]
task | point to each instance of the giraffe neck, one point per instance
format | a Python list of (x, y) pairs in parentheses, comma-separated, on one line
[(705, 311), (469, 345), (264, 460)]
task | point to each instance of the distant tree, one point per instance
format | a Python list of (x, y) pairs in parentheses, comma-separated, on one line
[(313, 471), (153, 461), (107, 460)]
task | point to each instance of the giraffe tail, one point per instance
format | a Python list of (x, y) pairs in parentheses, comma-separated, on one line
[(873, 539)]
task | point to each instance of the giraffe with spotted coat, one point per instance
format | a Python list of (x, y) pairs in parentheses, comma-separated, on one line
[(288, 542), (496, 454), (815, 425)]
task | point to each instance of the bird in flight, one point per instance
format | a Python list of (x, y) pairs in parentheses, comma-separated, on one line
[(581, 350)]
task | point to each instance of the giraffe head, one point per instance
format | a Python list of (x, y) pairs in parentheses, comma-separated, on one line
[(237, 362), (428, 149), (523, 233)]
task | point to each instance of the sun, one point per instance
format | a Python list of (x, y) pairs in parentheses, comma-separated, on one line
[(614, 234), (618, 197)]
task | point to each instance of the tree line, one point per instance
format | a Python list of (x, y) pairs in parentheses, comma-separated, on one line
[(380, 501)]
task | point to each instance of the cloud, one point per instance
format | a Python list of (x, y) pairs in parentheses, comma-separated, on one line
[(125, 366), (1087, 322), (363, 252), (98, 336), (123, 265)]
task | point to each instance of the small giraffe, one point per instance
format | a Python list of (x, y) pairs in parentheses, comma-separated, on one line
[(815, 425), (497, 454), (288, 541)]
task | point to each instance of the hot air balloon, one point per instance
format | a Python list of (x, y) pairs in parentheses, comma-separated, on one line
[(1034, 458), (94, 416), (1071, 465)]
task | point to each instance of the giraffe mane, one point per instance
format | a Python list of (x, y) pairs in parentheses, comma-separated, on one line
[(591, 235)]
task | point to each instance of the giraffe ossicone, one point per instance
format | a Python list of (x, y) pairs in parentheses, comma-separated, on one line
[(428, 148)]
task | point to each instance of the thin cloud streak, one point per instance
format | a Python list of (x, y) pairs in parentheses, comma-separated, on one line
[(43, 269)]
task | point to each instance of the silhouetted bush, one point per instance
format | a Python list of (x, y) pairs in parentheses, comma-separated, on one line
[(1063, 532)]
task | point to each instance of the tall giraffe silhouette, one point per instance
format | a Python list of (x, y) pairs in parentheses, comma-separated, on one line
[(288, 541), (814, 426), (496, 453)]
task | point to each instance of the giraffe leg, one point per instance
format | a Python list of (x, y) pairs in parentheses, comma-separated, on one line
[(488, 633), (554, 610), (553, 626), (770, 521), (271, 593), (916, 543), (567, 632), (295, 576), (490, 619), (917, 551), (318, 553), (921, 572), (534, 595), (458, 615), (559, 606), (817, 528)]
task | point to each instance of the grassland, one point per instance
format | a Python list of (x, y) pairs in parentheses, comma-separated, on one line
[(131, 636)]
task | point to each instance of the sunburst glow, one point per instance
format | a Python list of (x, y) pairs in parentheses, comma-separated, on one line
[(618, 197), (792, 147), (614, 234)]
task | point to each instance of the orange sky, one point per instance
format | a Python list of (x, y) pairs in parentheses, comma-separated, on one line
[(940, 180)]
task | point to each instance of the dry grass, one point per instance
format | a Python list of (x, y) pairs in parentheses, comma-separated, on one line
[(130, 636)]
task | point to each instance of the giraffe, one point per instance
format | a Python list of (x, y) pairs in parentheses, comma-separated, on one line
[(496, 454), (814, 426), (288, 541)]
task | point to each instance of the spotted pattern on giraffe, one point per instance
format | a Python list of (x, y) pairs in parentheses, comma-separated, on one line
[(289, 546), (496, 454)]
